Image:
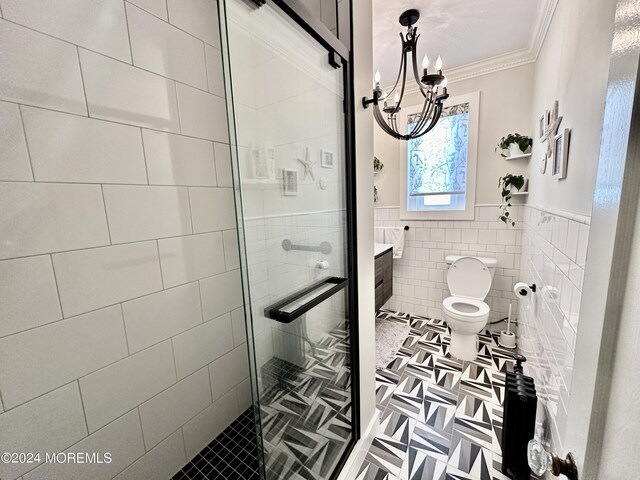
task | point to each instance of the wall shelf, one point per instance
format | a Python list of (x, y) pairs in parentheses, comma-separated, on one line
[(518, 157), (260, 181)]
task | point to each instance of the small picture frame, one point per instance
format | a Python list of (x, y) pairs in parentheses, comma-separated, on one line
[(326, 159), (542, 127), (560, 154), (259, 164), (290, 182)]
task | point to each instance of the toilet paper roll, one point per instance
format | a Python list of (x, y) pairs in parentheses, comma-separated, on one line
[(522, 290)]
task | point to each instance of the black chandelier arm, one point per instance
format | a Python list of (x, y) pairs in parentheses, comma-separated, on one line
[(404, 83), (436, 117), (414, 60), (394, 124), (383, 124), (434, 120), (399, 70), (426, 113)]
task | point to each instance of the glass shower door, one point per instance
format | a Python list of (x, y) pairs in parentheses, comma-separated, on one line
[(287, 102)]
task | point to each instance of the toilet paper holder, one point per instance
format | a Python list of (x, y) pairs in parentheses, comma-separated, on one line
[(523, 292)]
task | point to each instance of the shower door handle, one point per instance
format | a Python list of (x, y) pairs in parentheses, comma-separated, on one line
[(296, 305)]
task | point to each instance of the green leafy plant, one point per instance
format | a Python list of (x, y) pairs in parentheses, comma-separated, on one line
[(505, 184), (377, 164), (523, 142)]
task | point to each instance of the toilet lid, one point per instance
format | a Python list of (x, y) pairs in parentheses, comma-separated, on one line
[(469, 277)]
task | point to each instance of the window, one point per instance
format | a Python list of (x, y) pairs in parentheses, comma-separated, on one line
[(439, 168)]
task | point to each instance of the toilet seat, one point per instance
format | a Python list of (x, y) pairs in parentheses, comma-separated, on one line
[(463, 308), (468, 277)]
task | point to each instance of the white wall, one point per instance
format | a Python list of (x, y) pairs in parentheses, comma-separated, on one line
[(363, 66), (505, 107), (572, 68), (121, 326)]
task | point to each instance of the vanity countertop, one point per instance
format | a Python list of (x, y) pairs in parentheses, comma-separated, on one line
[(379, 248)]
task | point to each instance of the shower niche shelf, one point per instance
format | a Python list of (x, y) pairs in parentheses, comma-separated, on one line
[(296, 305)]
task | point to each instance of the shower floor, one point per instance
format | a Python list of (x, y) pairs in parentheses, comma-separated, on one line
[(441, 418), (232, 455), (306, 411), (306, 421)]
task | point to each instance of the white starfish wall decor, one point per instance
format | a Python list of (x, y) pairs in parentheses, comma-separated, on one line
[(552, 130), (307, 164)]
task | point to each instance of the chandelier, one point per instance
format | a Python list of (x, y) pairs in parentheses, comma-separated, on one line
[(432, 86)]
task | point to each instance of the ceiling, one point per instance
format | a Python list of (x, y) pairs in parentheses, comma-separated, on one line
[(472, 36)]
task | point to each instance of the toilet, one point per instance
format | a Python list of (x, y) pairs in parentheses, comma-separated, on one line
[(466, 314)]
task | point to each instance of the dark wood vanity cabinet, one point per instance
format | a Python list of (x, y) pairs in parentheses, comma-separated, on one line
[(384, 277)]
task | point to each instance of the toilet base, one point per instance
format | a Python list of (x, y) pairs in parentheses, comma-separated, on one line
[(464, 347)]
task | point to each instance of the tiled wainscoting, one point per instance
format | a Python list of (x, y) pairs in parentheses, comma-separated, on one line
[(420, 276), (122, 326), (441, 418), (554, 250)]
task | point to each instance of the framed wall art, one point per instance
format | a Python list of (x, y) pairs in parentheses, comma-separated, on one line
[(326, 159), (290, 182), (560, 154)]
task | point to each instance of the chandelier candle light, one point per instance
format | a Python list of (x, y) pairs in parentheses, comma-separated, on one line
[(432, 86)]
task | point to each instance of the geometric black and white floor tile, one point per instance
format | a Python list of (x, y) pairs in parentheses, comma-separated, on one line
[(441, 418), (305, 421), (306, 410)]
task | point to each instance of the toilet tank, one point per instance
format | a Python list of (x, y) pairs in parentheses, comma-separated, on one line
[(490, 262)]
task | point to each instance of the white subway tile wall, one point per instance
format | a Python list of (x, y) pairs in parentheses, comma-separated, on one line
[(554, 249), (119, 282), (420, 276)]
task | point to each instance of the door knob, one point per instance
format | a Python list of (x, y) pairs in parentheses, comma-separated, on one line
[(541, 461)]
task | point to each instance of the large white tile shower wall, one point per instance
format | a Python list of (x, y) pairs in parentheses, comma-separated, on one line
[(554, 251), (122, 326), (420, 276)]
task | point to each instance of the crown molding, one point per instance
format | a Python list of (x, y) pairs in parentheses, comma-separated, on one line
[(541, 27), (508, 60)]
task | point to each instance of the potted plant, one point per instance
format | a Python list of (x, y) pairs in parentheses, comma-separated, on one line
[(505, 184), (377, 165), (515, 144)]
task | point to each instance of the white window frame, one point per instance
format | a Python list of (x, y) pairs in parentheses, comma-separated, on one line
[(473, 99)]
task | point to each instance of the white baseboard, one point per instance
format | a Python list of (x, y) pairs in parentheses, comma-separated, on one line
[(359, 452)]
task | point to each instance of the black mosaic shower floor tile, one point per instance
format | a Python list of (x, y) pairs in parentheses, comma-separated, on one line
[(231, 455)]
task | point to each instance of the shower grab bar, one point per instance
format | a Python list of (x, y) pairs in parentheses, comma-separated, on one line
[(324, 247), (277, 310)]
